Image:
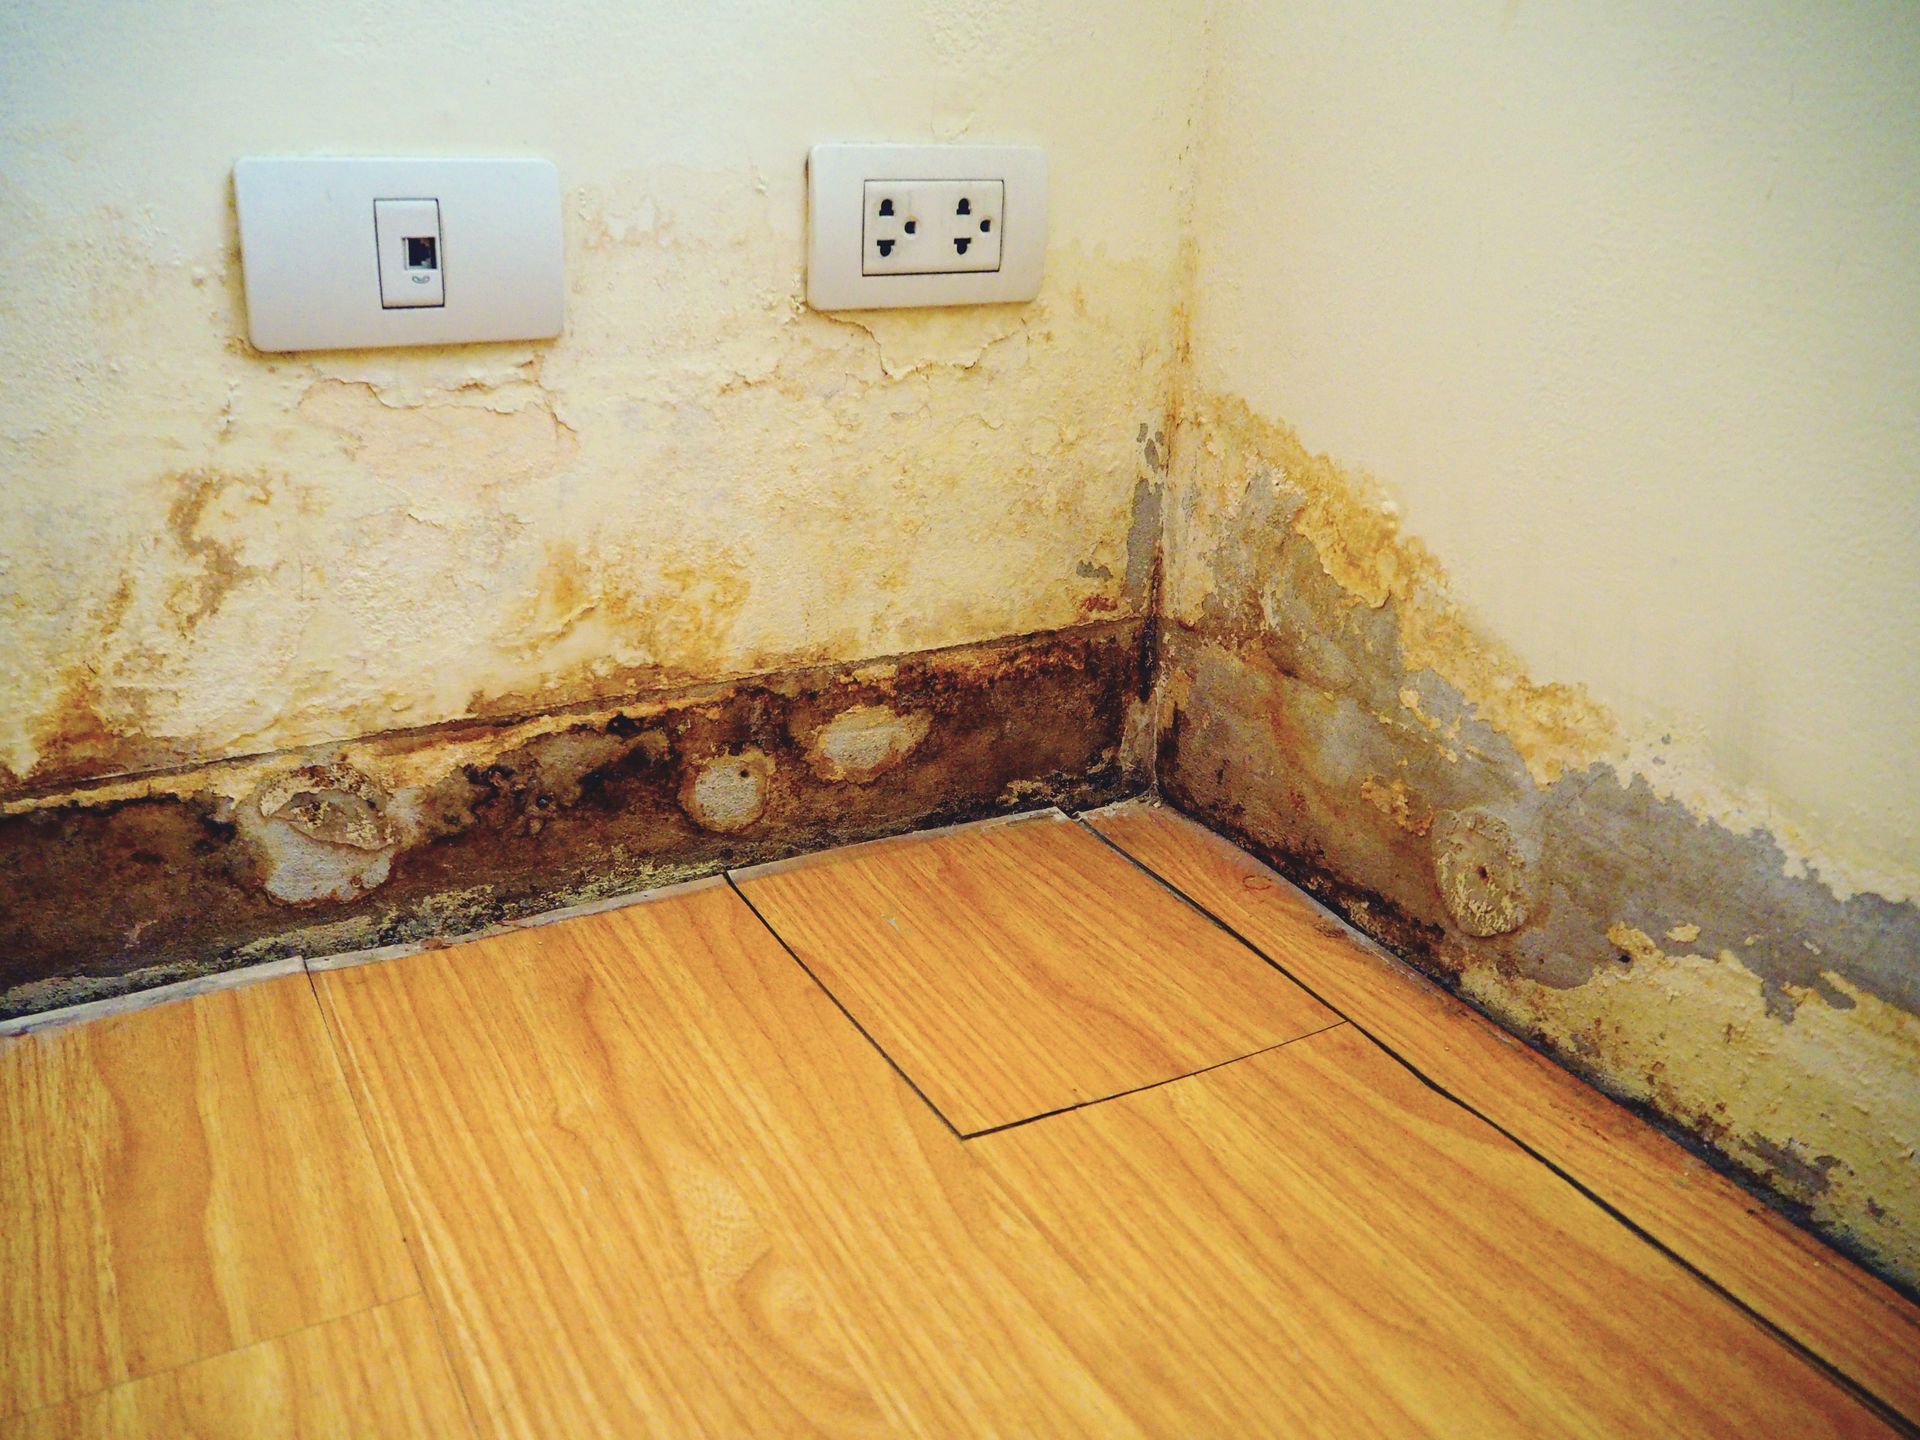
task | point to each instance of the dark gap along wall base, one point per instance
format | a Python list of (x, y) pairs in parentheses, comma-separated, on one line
[(139, 881), (1681, 966)]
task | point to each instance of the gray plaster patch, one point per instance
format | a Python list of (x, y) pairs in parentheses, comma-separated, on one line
[(1143, 541), (864, 742), (728, 792), (1485, 870)]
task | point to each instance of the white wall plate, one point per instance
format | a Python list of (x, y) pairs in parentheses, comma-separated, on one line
[(887, 227), (328, 265)]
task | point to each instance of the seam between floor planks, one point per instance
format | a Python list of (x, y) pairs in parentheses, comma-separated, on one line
[(847, 1014), (84, 1396), (402, 1213), (960, 1134), (1614, 1211), (1153, 1084), (195, 1184), (990, 968), (1750, 1313), (1881, 1408), (771, 1033), (374, 1371)]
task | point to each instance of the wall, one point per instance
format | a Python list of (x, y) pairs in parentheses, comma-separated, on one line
[(1542, 584), (216, 554)]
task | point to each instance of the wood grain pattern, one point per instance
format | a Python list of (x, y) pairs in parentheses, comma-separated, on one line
[(376, 1373), (1853, 1321), (1312, 1242), (661, 1186), (1016, 969), (179, 1182)]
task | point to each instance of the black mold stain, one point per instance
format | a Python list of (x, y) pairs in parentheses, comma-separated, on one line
[(100, 899)]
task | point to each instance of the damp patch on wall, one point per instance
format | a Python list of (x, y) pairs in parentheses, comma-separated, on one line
[(232, 553), (1324, 702), (402, 837)]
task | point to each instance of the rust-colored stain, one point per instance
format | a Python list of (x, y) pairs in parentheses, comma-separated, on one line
[(404, 837), (98, 723), (346, 544), (583, 598), (1286, 660), (216, 568), (75, 735), (1325, 703), (72, 734)]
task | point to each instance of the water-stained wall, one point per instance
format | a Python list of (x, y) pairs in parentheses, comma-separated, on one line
[(222, 567), (214, 552), (1611, 307), (411, 836), (1541, 584)]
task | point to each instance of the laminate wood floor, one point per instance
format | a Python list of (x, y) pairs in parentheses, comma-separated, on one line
[(1020, 968), (378, 1372), (639, 1173), (176, 1183), (1832, 1307)]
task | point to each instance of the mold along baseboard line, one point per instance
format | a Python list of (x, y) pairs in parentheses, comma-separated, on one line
[(36, 1021), (1781, 1046), (392, 840)]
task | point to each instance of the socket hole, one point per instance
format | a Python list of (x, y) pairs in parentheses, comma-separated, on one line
[(986, 225), (886, 248), (886, 207), (961, 242), (909, 226), (420, 252), (966, 207)]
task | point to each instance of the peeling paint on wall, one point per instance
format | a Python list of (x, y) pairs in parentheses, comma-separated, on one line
[(703, 479), (136, 882), (1326, 702)]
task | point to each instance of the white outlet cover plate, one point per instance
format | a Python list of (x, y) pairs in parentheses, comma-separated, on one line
[(837, 177), (313, 269)]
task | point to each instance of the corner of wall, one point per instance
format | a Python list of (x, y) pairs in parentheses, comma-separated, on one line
[(1326, 700)]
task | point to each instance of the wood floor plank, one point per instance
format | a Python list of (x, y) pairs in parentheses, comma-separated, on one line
[(179, 1182), (1312, 1242), (379, 1372), (661, 1186), (1852, 1320), (1015, 969)]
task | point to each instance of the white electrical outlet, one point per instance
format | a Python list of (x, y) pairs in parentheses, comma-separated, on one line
[(898, 225), (341, 253), (933, 227)]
